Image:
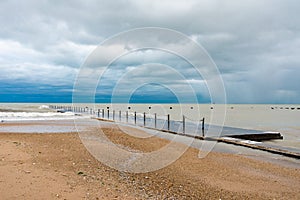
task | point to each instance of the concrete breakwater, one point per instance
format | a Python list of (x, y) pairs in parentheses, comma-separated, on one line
[(198, 129)]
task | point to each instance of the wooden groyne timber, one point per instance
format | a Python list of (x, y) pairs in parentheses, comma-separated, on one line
[(260, 147), (259, 136), (246, 140), (239, 142)]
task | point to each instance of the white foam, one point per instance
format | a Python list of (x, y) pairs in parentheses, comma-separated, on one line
[(44, 107), (25, 116)]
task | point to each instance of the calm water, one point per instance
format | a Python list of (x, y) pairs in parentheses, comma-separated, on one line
[(236, 118)]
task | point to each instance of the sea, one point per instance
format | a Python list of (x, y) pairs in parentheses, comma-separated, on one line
[(219, 120)]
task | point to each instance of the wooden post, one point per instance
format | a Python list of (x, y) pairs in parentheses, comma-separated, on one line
[(103, 113), (120, 112), (127, 116), (203, 126), (155, 118), (135, 118), (168, 122), (114, 115), (144, 119), (183, 123)]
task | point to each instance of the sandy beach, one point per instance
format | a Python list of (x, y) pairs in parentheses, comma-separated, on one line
[(154, 100), (58, 166)]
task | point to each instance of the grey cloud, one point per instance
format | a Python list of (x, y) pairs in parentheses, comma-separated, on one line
[(255, 44)]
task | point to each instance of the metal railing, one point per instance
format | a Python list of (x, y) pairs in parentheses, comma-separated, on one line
[(152, 121)]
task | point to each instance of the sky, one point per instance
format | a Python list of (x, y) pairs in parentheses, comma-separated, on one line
[(255, 45)]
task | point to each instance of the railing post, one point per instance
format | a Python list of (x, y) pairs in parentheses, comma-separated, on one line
[(144, 119), (203, 126), (103, 113), (120, 112), (183, 123), (114, 115), (135, 117), (155, 118), (98, 112), (168, 122), (127, 116), (107, 113)]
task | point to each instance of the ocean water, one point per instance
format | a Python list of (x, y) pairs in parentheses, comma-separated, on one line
[(32, 112), (236, 119), (247, 116), (232, 118), (37, 118)]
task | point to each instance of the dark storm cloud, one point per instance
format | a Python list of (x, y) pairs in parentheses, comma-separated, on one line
[(255, 44)]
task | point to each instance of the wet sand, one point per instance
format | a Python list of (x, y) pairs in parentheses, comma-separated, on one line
[(58, 166)]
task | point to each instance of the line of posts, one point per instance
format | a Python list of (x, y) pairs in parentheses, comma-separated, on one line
[(155, 120), (92, 112)]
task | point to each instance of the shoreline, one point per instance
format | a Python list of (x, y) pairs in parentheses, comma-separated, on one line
[(57, 165)]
